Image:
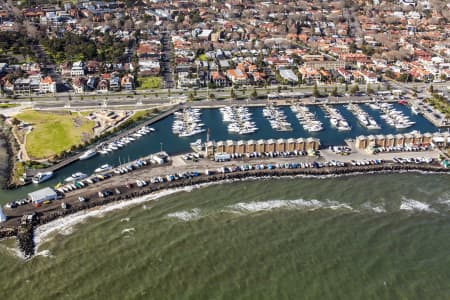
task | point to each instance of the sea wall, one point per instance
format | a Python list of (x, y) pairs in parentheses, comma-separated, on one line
[(24, 233)]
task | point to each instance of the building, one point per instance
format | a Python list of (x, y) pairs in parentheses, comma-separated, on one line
[(361, 142), (47, 85), (77, 69), (325, 64), (288, 75), (22, 86), (127, 82), (42, 195)]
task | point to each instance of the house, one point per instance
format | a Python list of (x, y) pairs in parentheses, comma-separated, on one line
[(218, 79), (91, 83), (346, 75), (310, 75), (103, 85), (77, 69), (79, 84), (22, 86), (47, 85), (92, 67), (127, 82), (237, 76), (114, 83), (185, 80), (369, 77)]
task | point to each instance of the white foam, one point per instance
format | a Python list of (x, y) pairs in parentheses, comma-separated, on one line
[(128, 230), (13, 251), (65, 224), (372, 207), (414, 205), (186, 215), (124, 220), (259, 206), (45, 253)]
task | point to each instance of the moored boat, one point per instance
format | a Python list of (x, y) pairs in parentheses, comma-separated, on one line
[(103, 168), (75, 176), (42, 176), (88, 154)]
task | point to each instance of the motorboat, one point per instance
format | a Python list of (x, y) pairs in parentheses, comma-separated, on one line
[(42, 176), (75, 176), (88, 154), (103, 168)]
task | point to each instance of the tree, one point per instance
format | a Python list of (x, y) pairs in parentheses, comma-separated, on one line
[(254, 94), (431, 89), (334, 92), (232, 94), (191, 97), (354, 89), (369, 90), (316, 91)]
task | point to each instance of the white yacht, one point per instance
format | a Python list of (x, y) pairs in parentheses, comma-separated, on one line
[(88, 154), (103, 168), (42, 176), (76, 176)]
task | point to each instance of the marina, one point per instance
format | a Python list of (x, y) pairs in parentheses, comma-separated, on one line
[(336, 119), (308, 119), (392, 116), (106, 148), (277, 118), (187, 122), (363, 117), (239, 119), (173, 144)]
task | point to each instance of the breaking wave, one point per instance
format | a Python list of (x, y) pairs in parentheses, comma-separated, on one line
[(186, 215), (414, 205), (259, 206), (375, 208)]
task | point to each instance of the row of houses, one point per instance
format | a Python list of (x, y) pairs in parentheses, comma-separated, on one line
[(31, 85)]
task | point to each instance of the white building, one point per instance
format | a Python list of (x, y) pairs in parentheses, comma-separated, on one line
[(289, 75), (47, 85), (77, 69), (45, 194)]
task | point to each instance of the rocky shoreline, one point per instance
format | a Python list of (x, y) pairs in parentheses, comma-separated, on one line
[(25, 230), (10, 151)]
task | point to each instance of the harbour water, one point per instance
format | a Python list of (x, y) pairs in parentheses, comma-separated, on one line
[(358, 237), (165, 139)]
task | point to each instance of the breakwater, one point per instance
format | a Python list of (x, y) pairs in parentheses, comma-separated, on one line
[(25, 232)]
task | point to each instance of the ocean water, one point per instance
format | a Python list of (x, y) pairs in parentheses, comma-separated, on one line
[(357, 237)]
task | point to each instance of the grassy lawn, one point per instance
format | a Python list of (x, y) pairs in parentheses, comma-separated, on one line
[(54, 133), (8, 105), (152, 82)]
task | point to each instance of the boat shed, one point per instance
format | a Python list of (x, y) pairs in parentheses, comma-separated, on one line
[(45, 194)]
